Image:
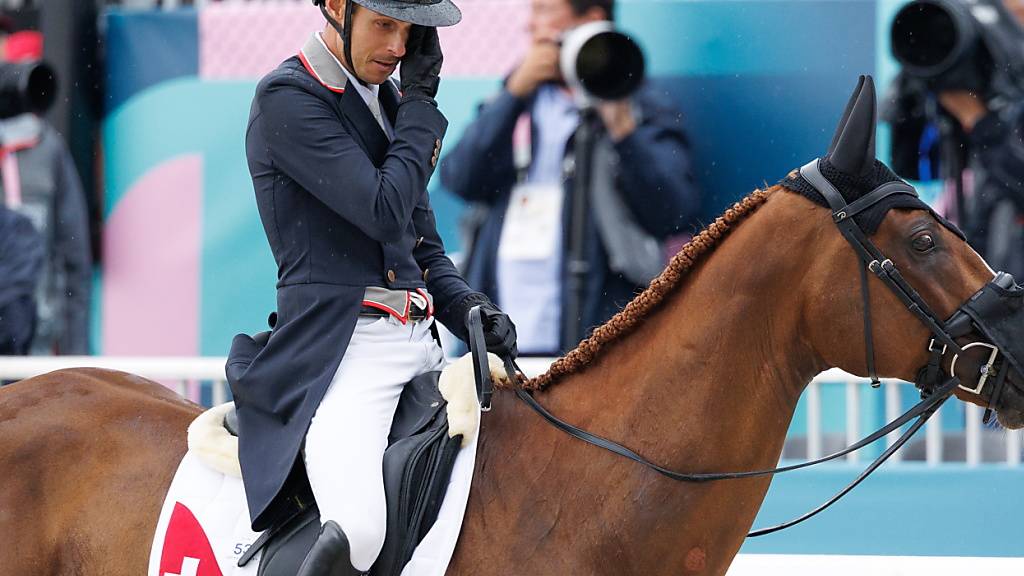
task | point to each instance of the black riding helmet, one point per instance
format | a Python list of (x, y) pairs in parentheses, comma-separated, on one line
[(434, 13)]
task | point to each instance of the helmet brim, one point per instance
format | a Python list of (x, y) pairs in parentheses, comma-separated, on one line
[(440, 14)]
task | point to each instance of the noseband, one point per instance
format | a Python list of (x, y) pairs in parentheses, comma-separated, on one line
[(987, 311)]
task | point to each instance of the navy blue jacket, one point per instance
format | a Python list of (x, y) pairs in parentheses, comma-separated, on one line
[(343, 208), (653, 176), (21, 256)]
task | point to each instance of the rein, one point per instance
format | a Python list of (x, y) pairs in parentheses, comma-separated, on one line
[(923, 410), (934, 390)]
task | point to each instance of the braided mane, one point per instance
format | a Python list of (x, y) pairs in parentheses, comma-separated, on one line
[(656, 293)]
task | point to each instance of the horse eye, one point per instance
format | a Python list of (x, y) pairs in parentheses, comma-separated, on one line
[(924, 243)]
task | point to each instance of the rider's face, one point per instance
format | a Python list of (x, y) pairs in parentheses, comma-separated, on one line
[(378, 42)]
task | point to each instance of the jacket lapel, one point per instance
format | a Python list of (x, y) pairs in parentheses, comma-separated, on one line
[(389, 97), (375, 142), (324, 67)]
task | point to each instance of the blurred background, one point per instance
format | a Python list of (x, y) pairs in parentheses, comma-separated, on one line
[(152, 103)]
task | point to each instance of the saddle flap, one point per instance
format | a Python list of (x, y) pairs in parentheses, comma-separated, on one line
[(418, 406), (417, 466)]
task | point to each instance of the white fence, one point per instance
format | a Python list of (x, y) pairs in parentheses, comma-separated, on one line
[(976, 439), (190, 377)]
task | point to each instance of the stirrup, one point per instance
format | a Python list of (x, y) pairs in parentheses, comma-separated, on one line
[(330, 555)]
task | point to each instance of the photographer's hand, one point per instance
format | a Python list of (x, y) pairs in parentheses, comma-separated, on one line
[(967, 108), (618, 118), (539, 65)]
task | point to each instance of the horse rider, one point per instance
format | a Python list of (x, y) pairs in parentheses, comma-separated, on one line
[(340, 158)]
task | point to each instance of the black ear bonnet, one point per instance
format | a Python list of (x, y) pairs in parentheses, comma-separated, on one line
[(853, 187), (850, 165)]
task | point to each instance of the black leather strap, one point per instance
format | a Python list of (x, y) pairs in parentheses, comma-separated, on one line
[(917, 410), (867, 472), (876, 195), (869, 341), (270, 533), (923, 410), (812, 174), (478, 348), (997, 391)]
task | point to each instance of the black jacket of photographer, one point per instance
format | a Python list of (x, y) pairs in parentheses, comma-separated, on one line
[(651, 174), (994, 222)]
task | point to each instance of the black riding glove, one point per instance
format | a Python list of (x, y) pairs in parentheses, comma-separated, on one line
[(499, 331), (421, 65)]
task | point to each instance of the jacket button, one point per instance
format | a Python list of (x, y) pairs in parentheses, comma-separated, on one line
[(426, 273), (391, 276)]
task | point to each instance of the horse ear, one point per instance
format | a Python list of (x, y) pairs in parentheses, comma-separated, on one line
[(846, 114), (853, 145)]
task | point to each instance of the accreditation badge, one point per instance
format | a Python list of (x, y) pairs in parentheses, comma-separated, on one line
[(533, 222)]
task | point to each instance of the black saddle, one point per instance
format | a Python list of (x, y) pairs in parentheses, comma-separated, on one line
[(417, 468)]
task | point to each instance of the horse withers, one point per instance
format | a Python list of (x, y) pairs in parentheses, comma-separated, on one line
[(700, 372)]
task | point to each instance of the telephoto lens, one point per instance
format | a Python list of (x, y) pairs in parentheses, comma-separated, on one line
[(939, 41), (26, 87), (599, 62)]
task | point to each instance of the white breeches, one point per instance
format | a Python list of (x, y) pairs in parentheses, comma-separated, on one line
[(348, 434)]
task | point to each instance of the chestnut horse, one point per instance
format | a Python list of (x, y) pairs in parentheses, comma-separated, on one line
[(701, 372)]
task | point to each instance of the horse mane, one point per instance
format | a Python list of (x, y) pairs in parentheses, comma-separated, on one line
[(645, 303)]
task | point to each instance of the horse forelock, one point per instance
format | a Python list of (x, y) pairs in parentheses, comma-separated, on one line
[(656, 293)]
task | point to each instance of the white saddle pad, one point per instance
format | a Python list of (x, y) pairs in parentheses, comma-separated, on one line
[(204, 525)]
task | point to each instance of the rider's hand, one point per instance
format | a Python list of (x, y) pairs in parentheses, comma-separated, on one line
[(499, 331), (540, 65), (421, 66)]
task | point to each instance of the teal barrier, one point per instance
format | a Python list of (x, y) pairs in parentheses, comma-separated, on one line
[(903, 509)]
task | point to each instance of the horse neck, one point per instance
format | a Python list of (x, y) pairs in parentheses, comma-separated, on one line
[(708, 383), (722, 362)]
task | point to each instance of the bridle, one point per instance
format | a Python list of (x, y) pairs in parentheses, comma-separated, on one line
[(944, 333), (935, 386)]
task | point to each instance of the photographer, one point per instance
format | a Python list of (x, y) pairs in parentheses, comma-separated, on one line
[(21, 259), (957, 114), (41, 182), (640, 181), (994, 219)]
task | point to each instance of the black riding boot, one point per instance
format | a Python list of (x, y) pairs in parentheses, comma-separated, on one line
[(329, 555)]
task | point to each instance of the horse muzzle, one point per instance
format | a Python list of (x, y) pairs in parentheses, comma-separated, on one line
[(996, 314)]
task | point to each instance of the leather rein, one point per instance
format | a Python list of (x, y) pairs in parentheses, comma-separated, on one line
[(935, 387)]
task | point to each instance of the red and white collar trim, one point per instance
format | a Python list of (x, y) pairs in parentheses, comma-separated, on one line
[(319, 62)]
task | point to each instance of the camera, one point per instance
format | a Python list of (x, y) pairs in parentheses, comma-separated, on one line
[(600, 63), (942, 45), (26, 87)]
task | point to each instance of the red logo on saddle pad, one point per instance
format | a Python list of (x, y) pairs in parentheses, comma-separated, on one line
[(187, 550)]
